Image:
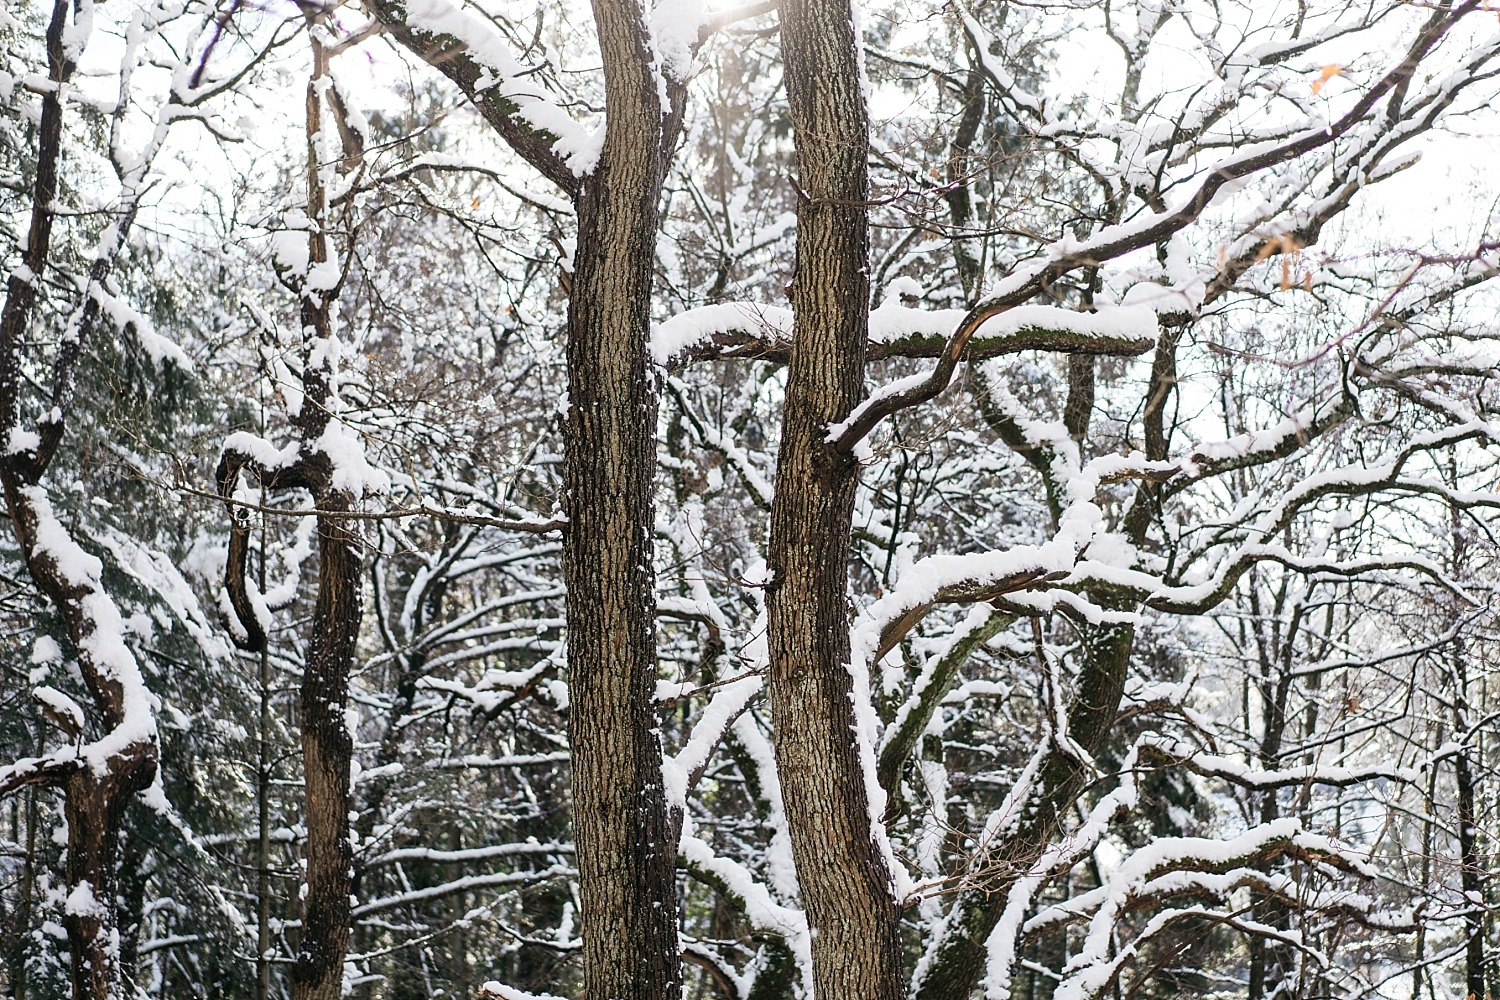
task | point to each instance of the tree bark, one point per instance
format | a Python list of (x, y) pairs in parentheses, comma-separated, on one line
[(846, 885), (327, 745), (327, 750), (626, 856)]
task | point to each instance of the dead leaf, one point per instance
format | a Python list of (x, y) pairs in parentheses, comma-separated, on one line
[(1327, 73)]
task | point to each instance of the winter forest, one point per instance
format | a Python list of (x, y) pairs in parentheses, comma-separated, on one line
[(879, 500)]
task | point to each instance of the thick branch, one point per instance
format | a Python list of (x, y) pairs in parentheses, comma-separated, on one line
[(907, 393), (451, 57)]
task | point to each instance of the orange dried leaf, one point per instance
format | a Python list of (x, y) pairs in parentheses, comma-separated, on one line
[(1327, 73), (1283, 243)]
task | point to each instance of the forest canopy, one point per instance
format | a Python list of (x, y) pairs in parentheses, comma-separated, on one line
[(807, 498)]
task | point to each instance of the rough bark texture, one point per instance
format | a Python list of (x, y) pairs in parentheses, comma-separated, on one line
[(327, 750), (21, 288), (626, 854), (846, 885), (626, 857)]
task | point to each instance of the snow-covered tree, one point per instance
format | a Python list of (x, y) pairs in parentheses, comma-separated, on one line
[(884, 500)]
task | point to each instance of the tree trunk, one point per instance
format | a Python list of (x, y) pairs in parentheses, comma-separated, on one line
[(846, 884), (263, 822), (1470, 874), (327, 750), (626, 857)]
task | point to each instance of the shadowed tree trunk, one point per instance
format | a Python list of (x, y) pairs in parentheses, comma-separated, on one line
[(626, 856), (626, 852), (846, 884)]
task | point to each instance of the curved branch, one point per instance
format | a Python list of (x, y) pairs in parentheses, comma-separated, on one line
[(52, 770), (251, 635), (916, 390), (1115, 241)]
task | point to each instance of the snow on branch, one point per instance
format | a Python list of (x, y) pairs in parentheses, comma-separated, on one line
[(473, 55), (73, 579), (681, 772), (1121, 331), (466, 884), (738, 885), (1173, 867), (750, 330), (495, 988), (1177, 753)]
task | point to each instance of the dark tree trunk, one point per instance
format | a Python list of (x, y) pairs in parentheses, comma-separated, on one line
[(846, 884), (327, 750), (1470, 878), (626, 856), (327, 745)]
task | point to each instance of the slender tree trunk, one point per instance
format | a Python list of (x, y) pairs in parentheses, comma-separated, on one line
[(263, 806), (846, 884), (1470, 872), (626, 856), (16, 960), (327, 745), (327, 750)]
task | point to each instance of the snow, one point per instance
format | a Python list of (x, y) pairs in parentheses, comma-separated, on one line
[(674, 26), (158, 348), (262, 452), (290, 252), (892, 323), (866, 738), (352, 472), (580, 148), (498, 989), (324, 276), (761, 910), (20, 442), (728, 702), (62, 706), (82, 903), (46, 650), (676, 337), (101, 640), (76, 35)]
